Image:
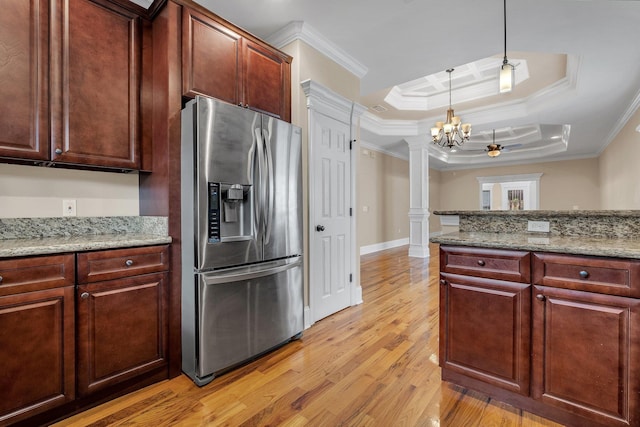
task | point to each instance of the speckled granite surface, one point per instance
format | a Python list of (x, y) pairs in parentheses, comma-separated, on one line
[(577, 245), (37, 236), (602, 233), (610, 224)]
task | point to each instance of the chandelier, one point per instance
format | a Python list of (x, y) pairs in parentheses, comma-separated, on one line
[(450, 133), (507, 71)]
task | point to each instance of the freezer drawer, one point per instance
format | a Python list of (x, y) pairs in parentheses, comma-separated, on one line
[(244, 312)]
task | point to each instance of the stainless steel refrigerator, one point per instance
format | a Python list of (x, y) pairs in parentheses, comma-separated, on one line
[(241, 236)]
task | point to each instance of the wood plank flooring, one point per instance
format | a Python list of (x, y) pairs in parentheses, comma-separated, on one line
[(375, 364)]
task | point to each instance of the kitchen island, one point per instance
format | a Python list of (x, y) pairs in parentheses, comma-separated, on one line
[(548, 322)]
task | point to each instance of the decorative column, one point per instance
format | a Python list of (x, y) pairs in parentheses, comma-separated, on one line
[(418, 196)]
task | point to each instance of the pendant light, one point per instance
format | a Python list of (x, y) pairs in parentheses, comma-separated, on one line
[(507, 71)]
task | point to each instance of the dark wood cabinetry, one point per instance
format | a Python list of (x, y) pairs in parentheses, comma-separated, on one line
[(220, 62), (586, 354), (95, 85), (266, 80), (485, 323), (575, 327), (37, 335), (211, 61), (122, 315), (70, 77), (24, 79)]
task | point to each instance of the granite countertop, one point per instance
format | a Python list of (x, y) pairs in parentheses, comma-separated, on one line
[(54, 245), (39, 236), (542, 242)]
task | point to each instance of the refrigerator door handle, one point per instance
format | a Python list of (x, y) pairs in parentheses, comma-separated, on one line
[(248, 273), (269, 190), (258, 181)]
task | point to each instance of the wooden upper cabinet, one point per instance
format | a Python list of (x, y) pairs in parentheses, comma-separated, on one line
[(210, 58), (95, 85), (24, 73), (267, 81), (222, 63)]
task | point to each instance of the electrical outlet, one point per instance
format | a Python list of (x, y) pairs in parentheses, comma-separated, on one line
[(538, 226), (68, 208)]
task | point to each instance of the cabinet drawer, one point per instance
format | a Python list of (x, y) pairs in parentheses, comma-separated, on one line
[(113, 264), (18, 275), (603, 275), (508, 265)]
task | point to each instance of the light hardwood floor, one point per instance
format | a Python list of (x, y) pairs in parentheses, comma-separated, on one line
[(375, 364)]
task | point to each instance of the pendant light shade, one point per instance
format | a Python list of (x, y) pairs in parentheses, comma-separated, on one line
[(507, 71)]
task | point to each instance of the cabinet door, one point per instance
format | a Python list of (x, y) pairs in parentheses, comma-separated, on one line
[(586, 354), (266, 81), (211, 62), (485, 330), (95, 86), (24, 66), (37, 352), (122, 328)]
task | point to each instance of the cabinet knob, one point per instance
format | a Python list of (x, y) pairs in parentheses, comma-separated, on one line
[(84, 295), (58, 150), (0, 279), (584, 274), (128, 262), (481, 263), (443, 282), (540, 297)]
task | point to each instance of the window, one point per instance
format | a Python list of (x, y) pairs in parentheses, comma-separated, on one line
[(510, 192)]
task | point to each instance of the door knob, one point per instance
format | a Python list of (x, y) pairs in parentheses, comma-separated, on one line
[(319, 227)]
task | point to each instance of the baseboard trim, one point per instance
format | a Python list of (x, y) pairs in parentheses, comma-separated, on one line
[(364, 250)]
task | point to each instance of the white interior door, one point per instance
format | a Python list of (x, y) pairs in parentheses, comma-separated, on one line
[(330, 202)]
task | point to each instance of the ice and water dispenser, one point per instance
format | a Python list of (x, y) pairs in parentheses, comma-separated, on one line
[(230, 207)]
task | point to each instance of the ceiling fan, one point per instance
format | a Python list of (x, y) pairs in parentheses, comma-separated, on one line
[(494, 149)]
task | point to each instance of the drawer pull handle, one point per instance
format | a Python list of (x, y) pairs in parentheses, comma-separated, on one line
[(540, 297), (128, 262), (584, 274), (84, 295), (481, 263)]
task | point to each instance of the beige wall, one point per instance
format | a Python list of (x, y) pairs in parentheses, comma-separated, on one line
[(383, 198), (619, 170), (564, 185), (31, 191)]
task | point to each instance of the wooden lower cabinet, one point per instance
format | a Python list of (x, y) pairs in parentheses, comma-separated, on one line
[(586, 354), (122, 315), (581, 347), (121, 330), (37, 336), (485, 330)]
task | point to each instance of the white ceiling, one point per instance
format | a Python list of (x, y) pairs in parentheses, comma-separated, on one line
[(394, 42)]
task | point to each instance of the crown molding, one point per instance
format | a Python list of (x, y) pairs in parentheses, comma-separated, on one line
[(378, 149), (299, 30), (622, 121)]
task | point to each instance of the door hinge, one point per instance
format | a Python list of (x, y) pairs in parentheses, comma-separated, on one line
[(350, 211), (350, 277), (351, 144)]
